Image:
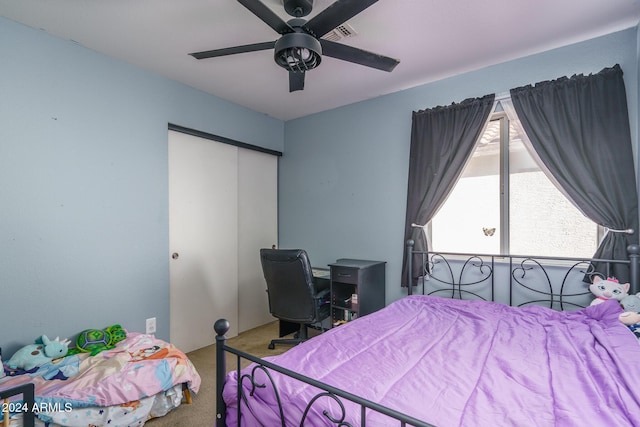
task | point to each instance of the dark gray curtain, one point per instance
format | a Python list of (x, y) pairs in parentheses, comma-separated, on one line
[(579, 127), (442, 139)]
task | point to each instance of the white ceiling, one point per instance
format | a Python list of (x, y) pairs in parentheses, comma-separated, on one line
[(432, 39)]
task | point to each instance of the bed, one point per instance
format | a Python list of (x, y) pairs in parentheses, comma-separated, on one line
[(141, 378), (489, 341)]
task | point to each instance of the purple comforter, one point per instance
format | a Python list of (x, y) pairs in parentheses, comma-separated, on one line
[(465, 363)]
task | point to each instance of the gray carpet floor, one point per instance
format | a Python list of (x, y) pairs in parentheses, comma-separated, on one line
[(202, 410)]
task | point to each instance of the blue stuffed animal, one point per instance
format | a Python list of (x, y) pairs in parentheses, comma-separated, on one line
[(34, 355), (631, 303), (631, 315)]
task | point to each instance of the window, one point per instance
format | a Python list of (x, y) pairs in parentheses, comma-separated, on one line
[(505, 204)]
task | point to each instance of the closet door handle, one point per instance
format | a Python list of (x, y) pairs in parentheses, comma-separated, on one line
[(175, 255)]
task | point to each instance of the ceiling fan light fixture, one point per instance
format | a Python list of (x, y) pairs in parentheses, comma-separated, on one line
[(299, 48), (298, 8), (298, 52)]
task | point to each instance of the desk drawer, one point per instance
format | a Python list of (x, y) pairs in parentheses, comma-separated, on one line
[(344, 274)]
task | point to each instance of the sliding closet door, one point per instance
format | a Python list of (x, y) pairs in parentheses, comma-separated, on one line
[(257, 228), (203, 238), (222, 209)]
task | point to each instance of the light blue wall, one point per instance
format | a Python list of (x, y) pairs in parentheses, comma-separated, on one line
[(84, 186), (343, 176)]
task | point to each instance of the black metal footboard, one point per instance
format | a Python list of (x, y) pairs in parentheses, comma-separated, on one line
[(325, 391), (26, 406), (556, 282)]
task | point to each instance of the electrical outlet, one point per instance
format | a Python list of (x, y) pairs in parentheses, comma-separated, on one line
[(151, 325)]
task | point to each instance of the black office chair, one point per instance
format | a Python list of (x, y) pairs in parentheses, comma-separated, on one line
[(293, 296)]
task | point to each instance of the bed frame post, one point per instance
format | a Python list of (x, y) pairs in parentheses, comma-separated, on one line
[(634, 268), (221, 327), (410, 244), (28, 397)]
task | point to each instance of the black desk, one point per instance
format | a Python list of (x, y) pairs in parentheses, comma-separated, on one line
[(322, 278)]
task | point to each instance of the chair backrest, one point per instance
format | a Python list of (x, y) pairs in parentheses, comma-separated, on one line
[(289, 284)]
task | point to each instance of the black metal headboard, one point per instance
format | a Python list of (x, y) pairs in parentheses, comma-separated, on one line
[(556, 282)]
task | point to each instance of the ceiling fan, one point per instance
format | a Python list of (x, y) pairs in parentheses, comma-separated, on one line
[(300, 47)]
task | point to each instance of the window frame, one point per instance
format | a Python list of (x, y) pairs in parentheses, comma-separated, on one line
[(504, 182)]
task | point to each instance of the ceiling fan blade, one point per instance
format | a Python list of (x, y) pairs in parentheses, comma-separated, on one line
[(296, 80), (267, 15), (357, 56), (336, 14), (233, 50)]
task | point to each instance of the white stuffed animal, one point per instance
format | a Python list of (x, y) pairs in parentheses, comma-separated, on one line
[(608, 289)]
